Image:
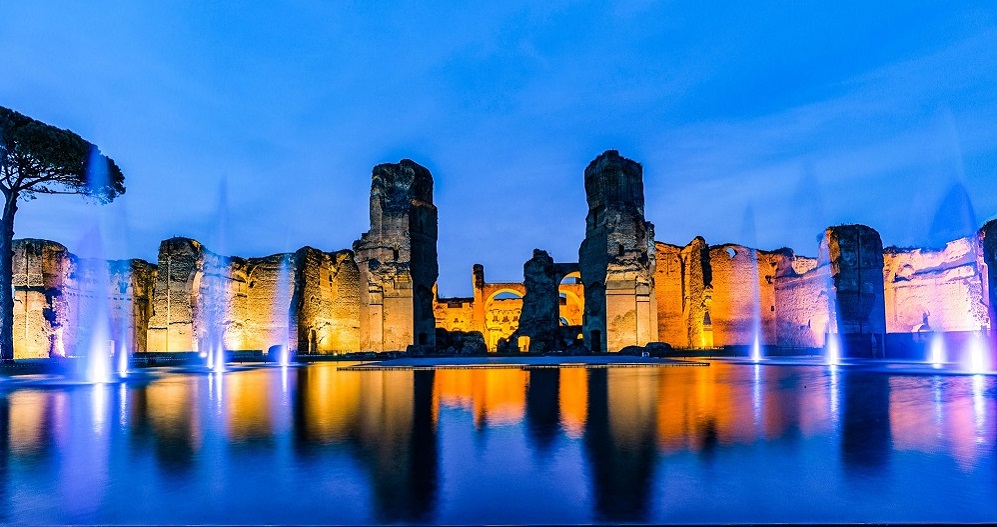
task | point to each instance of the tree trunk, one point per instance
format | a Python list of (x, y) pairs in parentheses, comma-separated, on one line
[(7, 279)]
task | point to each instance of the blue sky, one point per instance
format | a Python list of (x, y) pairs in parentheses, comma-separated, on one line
[(754, 121)]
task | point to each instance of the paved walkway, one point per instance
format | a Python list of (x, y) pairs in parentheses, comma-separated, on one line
[(526, 362)]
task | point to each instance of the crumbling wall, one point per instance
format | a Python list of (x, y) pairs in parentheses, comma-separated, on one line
[(171, 325), (683, 287), (397, 259), (309, 300), (617, 259), (40, 273), (744, 302), (801, 300), (59, 300), (455, 314), (326, 303), (266, 310), (131, 284), (935, 290)]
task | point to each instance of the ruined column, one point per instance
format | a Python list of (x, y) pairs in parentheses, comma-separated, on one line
[(540, 315), (617, 258), (397, 259), (478, 286), (856, 294), (697, 293)]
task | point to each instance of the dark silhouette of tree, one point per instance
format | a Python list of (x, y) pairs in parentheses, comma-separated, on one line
[(37, 158)]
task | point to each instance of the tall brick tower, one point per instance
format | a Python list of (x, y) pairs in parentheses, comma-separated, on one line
[(397, 259), (617, 257)]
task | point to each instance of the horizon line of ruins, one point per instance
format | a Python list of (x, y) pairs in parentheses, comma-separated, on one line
[(626, 289)]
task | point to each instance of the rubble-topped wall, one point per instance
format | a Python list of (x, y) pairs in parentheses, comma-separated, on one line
[(60, 299), (397, 259), (801, 300), (131, 285), (935, 290), (616, 258), (308, 300), (171, 325), (743, 302), (326, 301), (683, 278)]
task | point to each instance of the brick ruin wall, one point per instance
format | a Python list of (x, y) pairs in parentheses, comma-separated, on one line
[(710, 301), (192, 300), (743, 300), (938, 290), (326, 301), (310, 300), (56, 306), (801, 298)]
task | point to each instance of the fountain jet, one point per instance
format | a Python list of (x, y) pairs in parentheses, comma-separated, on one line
[(936, 354), (977, 356), (832, 354)]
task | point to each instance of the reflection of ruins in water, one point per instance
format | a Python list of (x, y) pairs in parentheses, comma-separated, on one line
[(166, 414), (620, 423), (388, 419), (620, 442), (866, 444)]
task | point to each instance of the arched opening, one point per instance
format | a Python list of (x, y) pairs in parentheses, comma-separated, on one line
[(572, 278), (503, 307), (506, 295), (571, 299)]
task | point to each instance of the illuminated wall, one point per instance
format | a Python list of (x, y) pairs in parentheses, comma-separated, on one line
[(203, 300), (802, 315), (935, 290), (326, 302), (308, 300), (57, 294), (171, 324), (743, 300), (682, 283)]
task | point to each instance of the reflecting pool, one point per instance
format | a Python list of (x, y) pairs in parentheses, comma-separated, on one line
[(311, 444)]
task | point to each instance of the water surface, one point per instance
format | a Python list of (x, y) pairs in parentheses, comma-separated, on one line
[(310, 444)]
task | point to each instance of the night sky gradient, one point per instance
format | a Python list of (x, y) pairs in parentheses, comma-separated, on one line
[(756, 122)]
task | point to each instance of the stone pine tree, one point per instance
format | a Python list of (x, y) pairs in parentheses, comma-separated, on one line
[(37, 158)]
